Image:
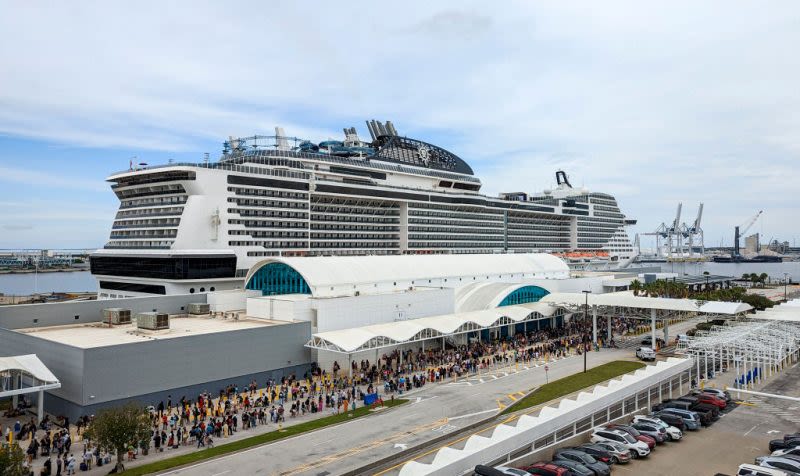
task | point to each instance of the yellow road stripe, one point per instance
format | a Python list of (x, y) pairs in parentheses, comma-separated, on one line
[(512, 397)]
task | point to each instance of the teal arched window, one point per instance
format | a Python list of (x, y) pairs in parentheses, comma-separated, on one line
[(524, 295), (278, 278)]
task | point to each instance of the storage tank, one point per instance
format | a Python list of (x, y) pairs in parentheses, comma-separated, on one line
[(117, 316), (152, 320), (199, 308)]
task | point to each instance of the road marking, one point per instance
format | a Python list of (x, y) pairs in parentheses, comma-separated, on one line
[(491, 410), (521, 394), (402, 446), (360, 449), (751, 429), (494, 376), (500, 405), (219, 474), (512, 397), (771, 431), (444, 428)]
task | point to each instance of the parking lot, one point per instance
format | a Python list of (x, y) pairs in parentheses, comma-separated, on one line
[(738, 437)]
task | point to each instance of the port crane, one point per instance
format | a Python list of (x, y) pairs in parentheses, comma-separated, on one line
[(679, 239), (693, 232), (741, 230)]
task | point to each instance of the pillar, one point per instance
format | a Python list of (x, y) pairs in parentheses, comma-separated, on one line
[(14, 398), (666, 332), (608, 322), (653, 326), (594, 324), (40, 407)]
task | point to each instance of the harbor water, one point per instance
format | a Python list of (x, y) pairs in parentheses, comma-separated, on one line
[(30, 283), (82, 281)]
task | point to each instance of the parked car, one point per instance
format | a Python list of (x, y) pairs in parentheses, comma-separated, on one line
[(648, 440), (707, 407), (619, 453), (673, 433), (779, 462), (679, 404), (599, 468), (754, 470), (543, 468), (483, 470), (574, 467), (712, 399), (509, 471), (690, 419), (723, 394), (654, 431), (598, 452), (783, 444), (672, 420), (795, 450), (636, 447), (645, 353)]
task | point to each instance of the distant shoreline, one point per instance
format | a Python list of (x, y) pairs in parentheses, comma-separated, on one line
[(46, 270)]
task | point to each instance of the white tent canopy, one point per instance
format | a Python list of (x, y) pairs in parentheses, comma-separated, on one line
[(23, 374), (399, 332), (627, 299)]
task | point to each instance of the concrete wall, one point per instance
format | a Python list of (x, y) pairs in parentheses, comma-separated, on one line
[(123, 371), (64, 361), (61, 313)]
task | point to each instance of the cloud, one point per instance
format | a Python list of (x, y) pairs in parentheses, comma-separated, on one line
[(38, 179), (655, 104)]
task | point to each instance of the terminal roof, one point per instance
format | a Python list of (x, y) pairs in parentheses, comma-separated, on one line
[(97, 334)]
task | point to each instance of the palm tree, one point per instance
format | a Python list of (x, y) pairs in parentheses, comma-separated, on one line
[(636, 287), (763, 278)]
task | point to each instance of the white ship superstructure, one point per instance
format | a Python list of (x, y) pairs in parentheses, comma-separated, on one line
[(185, 228)]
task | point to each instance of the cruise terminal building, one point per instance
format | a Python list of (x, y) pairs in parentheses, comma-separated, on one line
[(278, 325)]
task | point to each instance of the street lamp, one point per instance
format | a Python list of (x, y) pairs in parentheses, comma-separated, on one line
[(585, 320)]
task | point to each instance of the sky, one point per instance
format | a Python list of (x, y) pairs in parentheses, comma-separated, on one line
[(655, 103)]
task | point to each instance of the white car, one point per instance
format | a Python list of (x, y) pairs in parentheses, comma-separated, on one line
[(753, 470), (637, 448), (794, 450), (673, 433), (645, 353)]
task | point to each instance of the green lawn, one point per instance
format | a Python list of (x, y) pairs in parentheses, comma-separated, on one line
[(573, 383), (219, 450)]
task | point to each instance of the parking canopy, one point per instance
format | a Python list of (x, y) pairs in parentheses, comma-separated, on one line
[(628, 300)]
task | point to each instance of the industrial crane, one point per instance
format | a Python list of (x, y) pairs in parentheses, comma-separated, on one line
[(693, 231), (746, 226)]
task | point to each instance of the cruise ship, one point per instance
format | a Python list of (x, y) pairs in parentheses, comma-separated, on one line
[(198, 227)]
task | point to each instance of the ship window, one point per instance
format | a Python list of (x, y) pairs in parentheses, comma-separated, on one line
[(191, 290), (202, 290)]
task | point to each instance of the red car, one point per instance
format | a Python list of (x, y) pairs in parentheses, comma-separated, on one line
[(649, 440), (708, 398), (546, 469)]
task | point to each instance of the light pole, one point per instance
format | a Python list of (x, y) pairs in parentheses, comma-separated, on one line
[(785, 282), (585, 320)]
